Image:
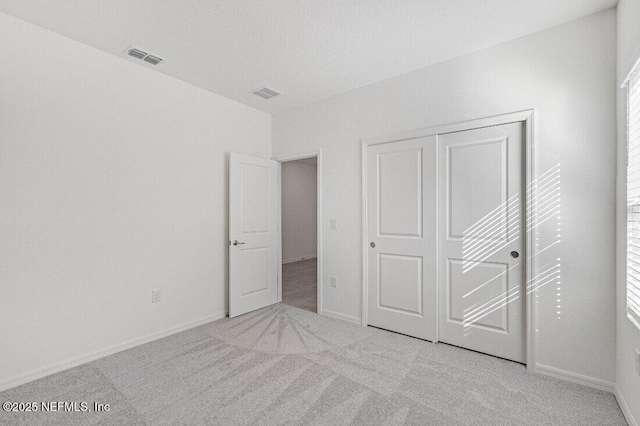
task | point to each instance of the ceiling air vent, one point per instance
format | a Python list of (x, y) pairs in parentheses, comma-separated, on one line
[(266, 93), (137, 53), (153, 60), (142, 55)]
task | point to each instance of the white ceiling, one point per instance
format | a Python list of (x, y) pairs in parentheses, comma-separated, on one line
[(307, 49)]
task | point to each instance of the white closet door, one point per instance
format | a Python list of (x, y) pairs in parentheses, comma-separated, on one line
[(401, 180), (253, 233), (481, 237)]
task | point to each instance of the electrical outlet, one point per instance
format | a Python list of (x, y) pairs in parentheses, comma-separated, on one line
[(334, 282), (638, 362), (155, 296)]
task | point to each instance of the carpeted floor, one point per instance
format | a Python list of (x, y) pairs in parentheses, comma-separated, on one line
[(299, 284), (283, 365)]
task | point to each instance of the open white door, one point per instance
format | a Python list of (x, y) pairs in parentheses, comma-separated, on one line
[(253, 233)]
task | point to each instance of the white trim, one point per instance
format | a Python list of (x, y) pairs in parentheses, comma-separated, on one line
[(342, 317), (496, 120), (300, 156), (299, 259), (580, 379), (530, 268), (319, 232), (633, 318), (38, 373), (633, 63), (624, 407), (279, 232), (365, 237), (527, 117)]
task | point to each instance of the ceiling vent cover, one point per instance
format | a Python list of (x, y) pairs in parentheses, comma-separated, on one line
[(137, 53), (153, 60), (266, 93), (142, 55)]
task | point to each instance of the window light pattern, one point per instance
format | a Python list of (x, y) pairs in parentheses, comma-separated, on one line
[(633, 199)]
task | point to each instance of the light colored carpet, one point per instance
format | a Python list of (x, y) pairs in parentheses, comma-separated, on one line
[(299, 284), (283, 365)]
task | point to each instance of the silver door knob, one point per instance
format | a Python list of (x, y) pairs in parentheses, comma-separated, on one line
[(236, 242), (373, 245)]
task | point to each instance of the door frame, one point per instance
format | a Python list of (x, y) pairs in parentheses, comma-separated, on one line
[(526, 117), (301, 156)]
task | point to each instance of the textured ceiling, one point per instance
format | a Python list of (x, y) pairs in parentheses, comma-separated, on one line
[(307, 49)]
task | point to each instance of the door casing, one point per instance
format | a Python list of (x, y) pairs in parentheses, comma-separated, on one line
[(526, 117)]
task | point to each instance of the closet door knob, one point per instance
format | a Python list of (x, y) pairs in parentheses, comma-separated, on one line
[(373, 245)]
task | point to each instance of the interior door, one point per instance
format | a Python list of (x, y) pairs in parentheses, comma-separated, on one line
[(253, 233), (401, 180), (481, 237)]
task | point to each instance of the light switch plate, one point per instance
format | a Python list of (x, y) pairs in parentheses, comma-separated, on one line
[(334, 282), (334, 224)]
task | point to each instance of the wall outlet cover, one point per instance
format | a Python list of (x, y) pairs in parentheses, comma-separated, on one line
[(334, 282)]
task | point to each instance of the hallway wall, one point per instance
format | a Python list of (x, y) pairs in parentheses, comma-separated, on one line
[(299, 210)]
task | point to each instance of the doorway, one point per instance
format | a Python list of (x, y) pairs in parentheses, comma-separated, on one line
[(299, 183)]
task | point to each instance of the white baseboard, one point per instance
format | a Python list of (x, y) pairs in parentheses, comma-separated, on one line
[(625, 408), (38, 373), (580, 379), (343, 317), (299, 259)]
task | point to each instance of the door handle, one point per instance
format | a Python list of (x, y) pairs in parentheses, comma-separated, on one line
[(236, 242), (515, 254), (373, 245)]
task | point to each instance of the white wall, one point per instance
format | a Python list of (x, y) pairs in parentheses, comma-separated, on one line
[(628, 336), (567, 74), (299, 210), (113, 181)]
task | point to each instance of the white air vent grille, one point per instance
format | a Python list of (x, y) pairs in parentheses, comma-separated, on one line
[(137, 53), (153, 60), (142, 55), (266, 93)]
